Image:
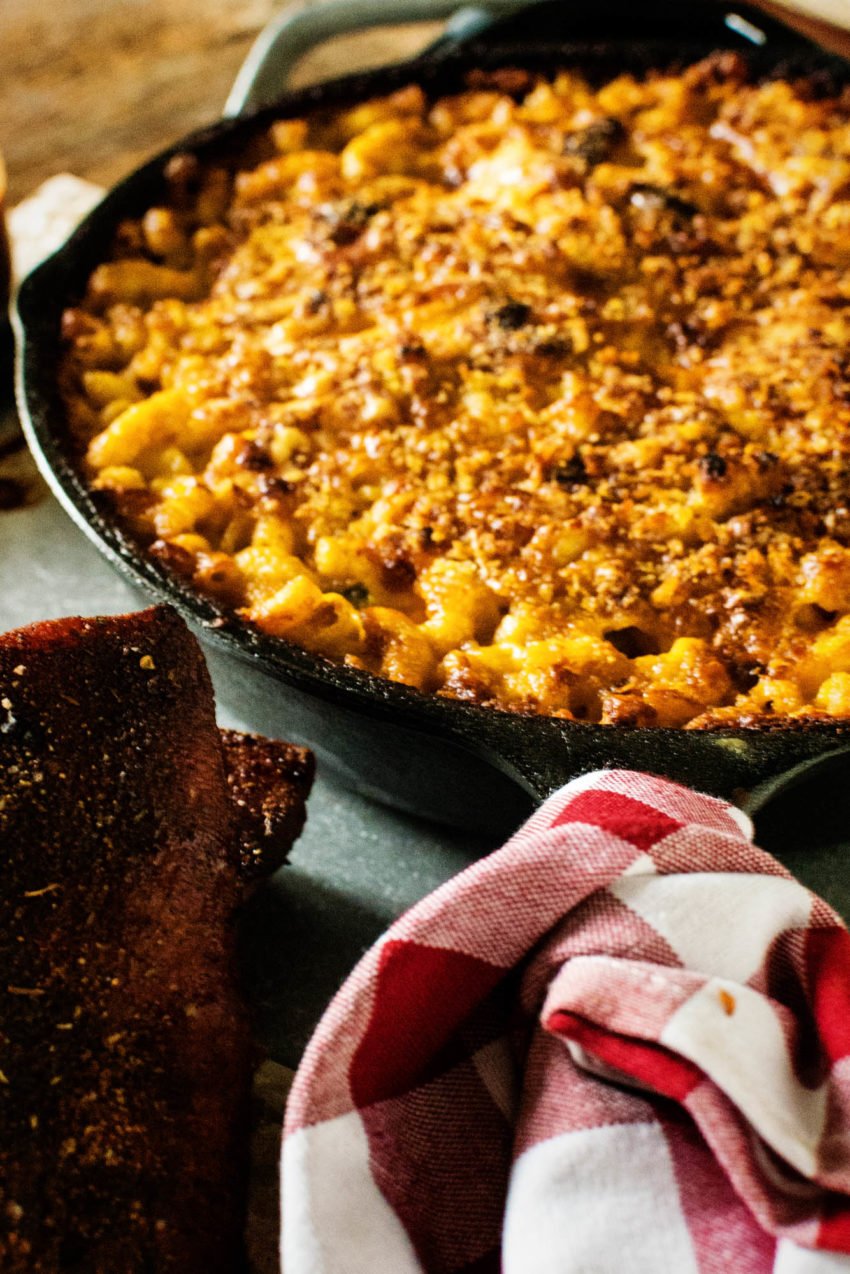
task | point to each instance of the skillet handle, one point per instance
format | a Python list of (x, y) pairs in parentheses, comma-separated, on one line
[(709, 23), (749, 767), (280, 45)]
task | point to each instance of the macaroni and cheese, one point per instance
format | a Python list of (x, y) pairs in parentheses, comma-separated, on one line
[(537, 395)]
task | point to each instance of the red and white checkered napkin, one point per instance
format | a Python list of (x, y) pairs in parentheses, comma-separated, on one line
[(619, 1044)]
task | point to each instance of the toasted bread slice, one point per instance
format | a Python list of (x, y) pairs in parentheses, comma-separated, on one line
[(269, 782), (125, 1049)]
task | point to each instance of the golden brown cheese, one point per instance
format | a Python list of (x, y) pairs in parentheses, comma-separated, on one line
[(536, 396)]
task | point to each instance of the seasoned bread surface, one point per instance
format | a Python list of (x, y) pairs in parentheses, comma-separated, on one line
[(124, 1042)]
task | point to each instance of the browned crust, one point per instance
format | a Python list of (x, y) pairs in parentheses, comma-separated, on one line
[(756, 723), (583, 456)]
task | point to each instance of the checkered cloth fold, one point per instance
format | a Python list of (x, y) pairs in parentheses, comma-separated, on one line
[(620, 1043)]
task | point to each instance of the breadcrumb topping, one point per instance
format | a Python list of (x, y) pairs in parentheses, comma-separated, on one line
[(537, 395)]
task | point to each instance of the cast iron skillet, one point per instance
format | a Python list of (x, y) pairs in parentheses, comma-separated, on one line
[(437, 757)]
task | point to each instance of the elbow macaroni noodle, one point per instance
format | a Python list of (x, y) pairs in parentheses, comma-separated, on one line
[(537, 395)]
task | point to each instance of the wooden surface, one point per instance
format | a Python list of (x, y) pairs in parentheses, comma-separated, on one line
[(94, 86)]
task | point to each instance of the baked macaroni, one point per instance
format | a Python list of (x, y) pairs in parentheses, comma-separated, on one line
[(537, 395)]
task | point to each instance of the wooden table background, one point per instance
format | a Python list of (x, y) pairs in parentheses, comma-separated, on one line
[(95, 86)]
